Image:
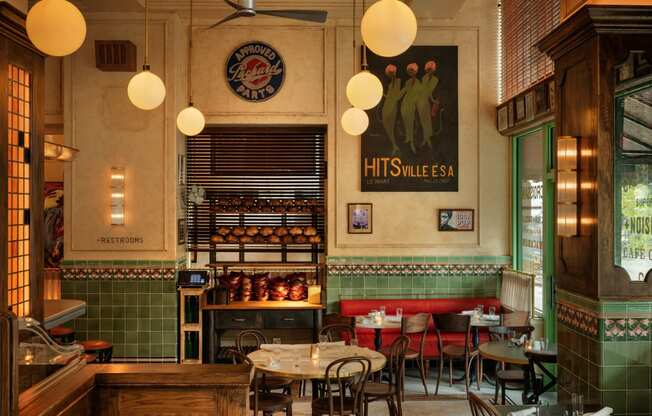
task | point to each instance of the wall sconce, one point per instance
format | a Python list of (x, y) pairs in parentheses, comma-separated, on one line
[(54, 151), (567, 186), (117, 196)]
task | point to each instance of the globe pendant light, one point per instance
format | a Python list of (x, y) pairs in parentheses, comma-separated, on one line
[(389, 28), (190, 120), (355, 121), (364, 90), (146, 90), (56, 27)]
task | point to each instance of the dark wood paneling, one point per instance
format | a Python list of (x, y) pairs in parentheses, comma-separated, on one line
[(586, 48)]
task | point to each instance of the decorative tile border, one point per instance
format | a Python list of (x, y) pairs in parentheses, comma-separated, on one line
[(405, 270), (440, 260), (580, 320), (134, 273), (607, 309)]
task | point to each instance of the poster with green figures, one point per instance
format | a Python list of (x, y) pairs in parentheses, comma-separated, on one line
[(411, 144)]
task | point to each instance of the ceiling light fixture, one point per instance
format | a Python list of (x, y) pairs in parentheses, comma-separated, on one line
[(389, 28), (146, 90), (190, 120), (364, 89), (56, 27)]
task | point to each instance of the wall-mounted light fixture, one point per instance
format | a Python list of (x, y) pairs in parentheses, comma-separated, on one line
[(117, 196), (567, 186), (54, 151)]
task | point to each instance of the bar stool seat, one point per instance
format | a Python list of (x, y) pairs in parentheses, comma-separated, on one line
[(90, 358), (63, 335), (103, 349)]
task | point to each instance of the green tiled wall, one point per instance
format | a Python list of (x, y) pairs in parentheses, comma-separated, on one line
[(412, 277), (138, 314), (612, 365)]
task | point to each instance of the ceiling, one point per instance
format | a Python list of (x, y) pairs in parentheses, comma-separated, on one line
[(424, 9)]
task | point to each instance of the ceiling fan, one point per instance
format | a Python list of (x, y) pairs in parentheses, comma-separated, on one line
[(247, 8)]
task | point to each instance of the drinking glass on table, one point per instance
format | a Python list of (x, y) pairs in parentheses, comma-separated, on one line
[(492, 310), (353, 342), (399, 313), (276, 340), (382, 311), (323, 339), (577, 404), (480, 309)]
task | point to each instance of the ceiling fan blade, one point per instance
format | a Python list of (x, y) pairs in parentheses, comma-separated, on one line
[(233, 4), (232, 16), (318, 16)]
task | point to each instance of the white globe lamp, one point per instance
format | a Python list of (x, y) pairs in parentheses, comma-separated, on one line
[(146, 90), (56, 27), (389, 28), (191, 121), (355, 121), (364, 90)]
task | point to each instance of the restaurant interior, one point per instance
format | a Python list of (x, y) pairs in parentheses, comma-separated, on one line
[(326, 207)]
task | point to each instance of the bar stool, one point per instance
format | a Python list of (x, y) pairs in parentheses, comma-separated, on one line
[(63, 335), (102, 349)]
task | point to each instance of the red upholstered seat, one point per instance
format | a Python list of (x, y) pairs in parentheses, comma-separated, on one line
[(357, 307)]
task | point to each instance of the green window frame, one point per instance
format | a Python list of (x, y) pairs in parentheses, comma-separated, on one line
[(547, 309)]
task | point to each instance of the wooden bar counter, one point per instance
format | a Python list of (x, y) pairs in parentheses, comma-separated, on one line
[(144, 389)]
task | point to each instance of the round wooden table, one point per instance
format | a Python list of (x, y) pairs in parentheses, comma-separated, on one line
[(389, 322), (293, 361), (503, 351)]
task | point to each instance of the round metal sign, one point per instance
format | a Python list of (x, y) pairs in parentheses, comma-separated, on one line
[(255, 71)]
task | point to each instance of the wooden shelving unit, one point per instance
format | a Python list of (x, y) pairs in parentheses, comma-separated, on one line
[(190, 333)]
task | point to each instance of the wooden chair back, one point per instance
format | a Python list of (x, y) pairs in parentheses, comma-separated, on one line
[(518, 318), (396, 361), (243, 343), (501, 333), (416, 324), (481, 407), (453, 322), (338, 332), (339, 383)]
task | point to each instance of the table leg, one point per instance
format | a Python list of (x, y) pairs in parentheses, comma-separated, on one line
[(378, 340), (315, 389)]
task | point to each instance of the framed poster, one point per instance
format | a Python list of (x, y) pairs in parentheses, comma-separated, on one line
[(450, 219), (411, 144), (360, 218), (53, 206)]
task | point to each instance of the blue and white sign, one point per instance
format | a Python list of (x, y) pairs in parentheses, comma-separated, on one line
[(255, 71)]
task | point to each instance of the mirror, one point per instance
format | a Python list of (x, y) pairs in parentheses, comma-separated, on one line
[(633, 182)]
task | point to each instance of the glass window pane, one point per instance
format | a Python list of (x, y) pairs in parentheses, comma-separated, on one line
[(531, 177)]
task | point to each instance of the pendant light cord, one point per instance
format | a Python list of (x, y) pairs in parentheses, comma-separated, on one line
[(354, 48), (364, 64), (190, 58), (146, 66)]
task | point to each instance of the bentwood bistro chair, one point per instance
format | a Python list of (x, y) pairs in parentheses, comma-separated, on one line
[(463, 349)]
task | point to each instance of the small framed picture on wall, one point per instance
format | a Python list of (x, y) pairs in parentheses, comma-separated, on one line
[(452, 219), (360, 218)]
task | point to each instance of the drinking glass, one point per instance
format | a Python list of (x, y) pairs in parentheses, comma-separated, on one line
[(480, 309), (323, 339), (276, 340), (492, 310), (577, 403), (354, 342), (382, 311), (399, 312)]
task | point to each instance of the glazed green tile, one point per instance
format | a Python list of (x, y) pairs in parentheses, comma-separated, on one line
[(131, 350), (156, 337), (347, 282), (93, 324), (92, 311), (169, 324), (370, 282), (106, 311), (144, 286), (119, 312), (617, 400), (143, 337), (106, 324), (613, 378), (119, 324), (143, 351), (156, 312), (156, 325), (638, 378), (92, 335), (106, 286), (358, 282), (131, 299), (131, 324), (143, 312), (143, 299), (119, 337), (419, 282), (169, 287), (169, 311), (613, 354), (93, 286), (169, 350), (430, 259), (106, 336), (333, 282), (382, 282), (639, 353), (156, 350), (169, 337), (638, 401)]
